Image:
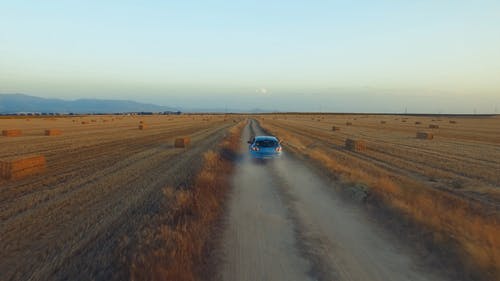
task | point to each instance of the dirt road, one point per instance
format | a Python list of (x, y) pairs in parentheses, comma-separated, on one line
[(285, 222)]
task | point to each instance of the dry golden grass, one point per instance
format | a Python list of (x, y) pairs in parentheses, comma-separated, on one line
[(175, 249), (449, 186)]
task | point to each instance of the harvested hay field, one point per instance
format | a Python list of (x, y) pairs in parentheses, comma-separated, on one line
[(100, 184), (449, 186)]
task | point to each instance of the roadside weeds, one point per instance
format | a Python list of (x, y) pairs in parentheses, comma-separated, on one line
[(176, 245)]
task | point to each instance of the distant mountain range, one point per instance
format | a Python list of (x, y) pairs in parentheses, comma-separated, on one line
[(19, 103)]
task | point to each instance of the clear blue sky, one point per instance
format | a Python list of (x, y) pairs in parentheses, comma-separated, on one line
[(428, 56)]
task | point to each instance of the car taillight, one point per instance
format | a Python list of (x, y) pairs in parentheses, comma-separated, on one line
[(278, 149), (254, 148)]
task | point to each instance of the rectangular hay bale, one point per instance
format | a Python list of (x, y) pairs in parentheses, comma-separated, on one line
[(348, 123), (53, 132), (142, 127), (335, 128), (12, 133), (355, 145), (425, 136), (433, 126), (20, 167), (182, 142)]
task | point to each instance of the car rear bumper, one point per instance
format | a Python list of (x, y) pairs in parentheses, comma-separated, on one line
[(258, 155)]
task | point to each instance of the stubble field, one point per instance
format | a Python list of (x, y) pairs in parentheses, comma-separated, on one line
[(103, 172)]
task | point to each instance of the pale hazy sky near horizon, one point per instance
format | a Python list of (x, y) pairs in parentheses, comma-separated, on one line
[(378, 56)]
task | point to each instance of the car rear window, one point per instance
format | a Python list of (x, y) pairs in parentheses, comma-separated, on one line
[(266, 143)]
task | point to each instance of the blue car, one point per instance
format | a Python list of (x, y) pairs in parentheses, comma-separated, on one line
[(265, 147)]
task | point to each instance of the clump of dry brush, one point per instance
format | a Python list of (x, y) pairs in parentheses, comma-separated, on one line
[(176, 247)]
